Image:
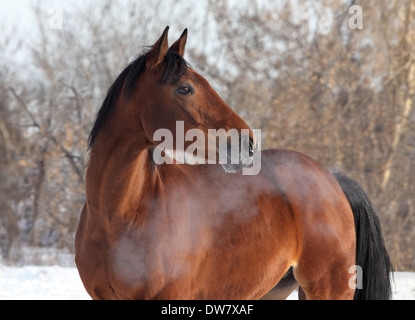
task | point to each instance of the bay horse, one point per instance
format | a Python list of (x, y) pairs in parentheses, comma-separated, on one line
[(181, 231)]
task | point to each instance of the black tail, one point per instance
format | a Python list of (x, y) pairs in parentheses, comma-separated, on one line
[(371, 254)]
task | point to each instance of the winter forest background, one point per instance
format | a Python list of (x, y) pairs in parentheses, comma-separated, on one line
[(295, 69)]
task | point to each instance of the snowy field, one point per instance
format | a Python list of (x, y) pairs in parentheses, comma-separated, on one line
[(57, 283)]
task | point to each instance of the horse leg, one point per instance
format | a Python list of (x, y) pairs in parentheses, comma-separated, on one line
[(326, 289), (283, 288), (329, 281), (301, 294)]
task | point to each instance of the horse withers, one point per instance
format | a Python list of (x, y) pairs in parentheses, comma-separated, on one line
[(183, 231)]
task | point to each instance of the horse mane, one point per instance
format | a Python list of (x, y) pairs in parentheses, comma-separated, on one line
[(175, 67)]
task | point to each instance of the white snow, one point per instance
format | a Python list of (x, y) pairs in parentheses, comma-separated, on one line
[(404, 286), (58, 283), (41, 283)]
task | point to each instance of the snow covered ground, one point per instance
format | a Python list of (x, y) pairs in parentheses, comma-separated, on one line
[(41, 283), (57, 283)]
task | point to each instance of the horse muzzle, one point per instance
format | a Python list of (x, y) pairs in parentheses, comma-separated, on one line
[(241, 158)]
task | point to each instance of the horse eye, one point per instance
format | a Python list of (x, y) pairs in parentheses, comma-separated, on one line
[(185, 90)]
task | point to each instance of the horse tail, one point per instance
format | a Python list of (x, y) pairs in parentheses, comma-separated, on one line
[(371, 254)]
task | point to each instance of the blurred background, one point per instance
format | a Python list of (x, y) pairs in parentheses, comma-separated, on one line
[(311, 75)]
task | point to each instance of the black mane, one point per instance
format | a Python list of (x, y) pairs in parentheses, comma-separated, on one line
[(175, 67)]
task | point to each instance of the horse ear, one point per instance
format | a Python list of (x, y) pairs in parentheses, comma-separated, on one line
[(158, 51), (180, 44)]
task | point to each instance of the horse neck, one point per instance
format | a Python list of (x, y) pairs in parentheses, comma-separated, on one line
[(118, 175)]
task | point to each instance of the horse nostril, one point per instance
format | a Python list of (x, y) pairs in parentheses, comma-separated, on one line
[(248, 146), (251, 147)]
